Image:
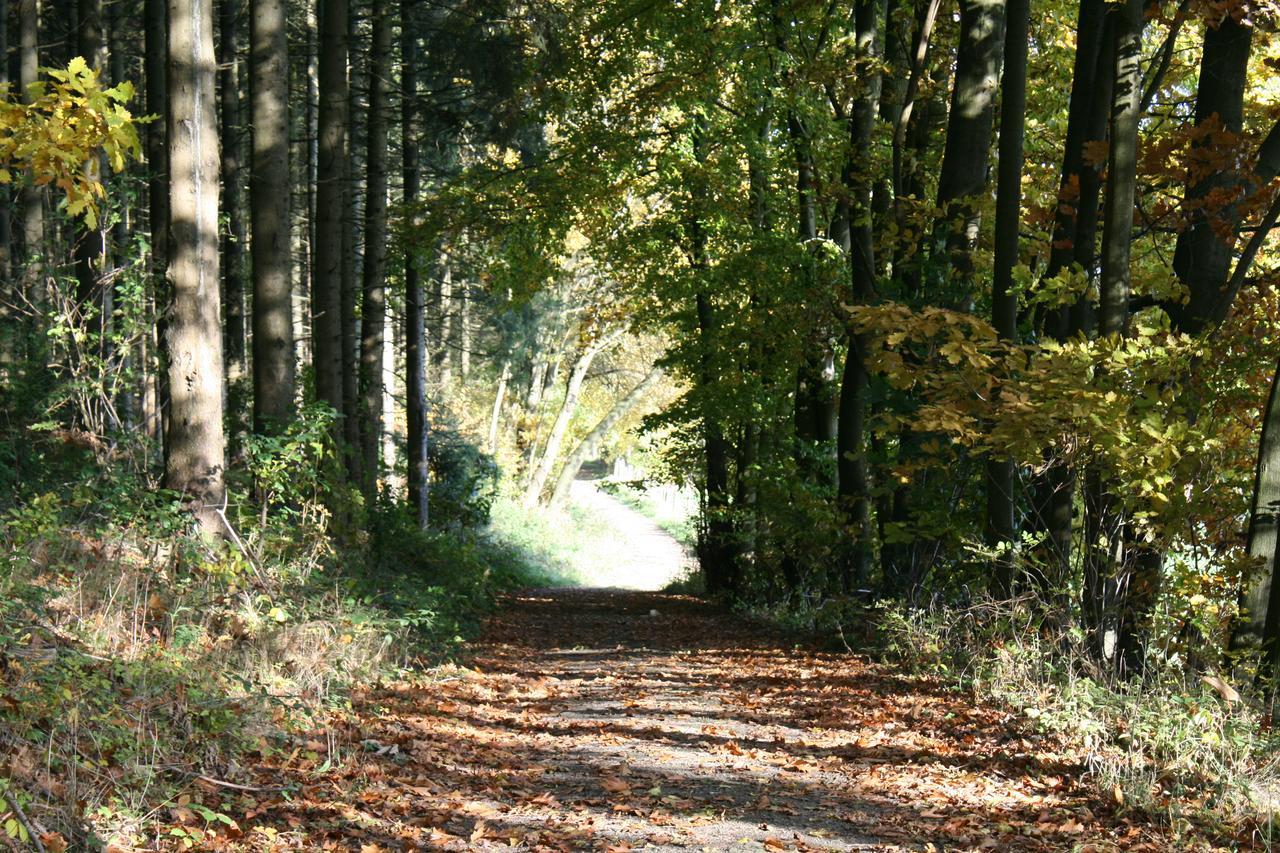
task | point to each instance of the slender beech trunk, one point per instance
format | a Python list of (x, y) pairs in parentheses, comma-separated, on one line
[(1053, 491), (195, 451), (373, 321), (495, 416), (415, 344), (592, 442), (1113, 586), (569, 407), (326, 288), (966, 156), (853, 479), (1001, 529), (273, 355)]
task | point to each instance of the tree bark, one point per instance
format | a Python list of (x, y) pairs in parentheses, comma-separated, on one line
[(415, 299), (499, 398), (233, 238), (853, 479), (1202, 258), (1115, 583), (966, 156), (154, 69), (326, 289), (1001, 529), (195, 451), (31, 198), (375, 252), (590, 445), (273, 353), (573, 389)]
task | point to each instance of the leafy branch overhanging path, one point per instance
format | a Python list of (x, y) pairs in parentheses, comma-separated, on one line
[(583, 721)]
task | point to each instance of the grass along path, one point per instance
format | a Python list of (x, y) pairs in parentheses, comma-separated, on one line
[(612, 720)]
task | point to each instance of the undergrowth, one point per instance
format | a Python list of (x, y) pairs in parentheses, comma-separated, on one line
[(1172, 743), (139, 660)]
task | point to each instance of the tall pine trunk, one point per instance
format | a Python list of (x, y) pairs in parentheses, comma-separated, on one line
[(415, 299), (195, 452), (273, 355), (326, 288), (375, 253)]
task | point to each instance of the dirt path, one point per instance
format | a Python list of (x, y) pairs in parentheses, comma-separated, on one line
[(644, 556), (613, 721)]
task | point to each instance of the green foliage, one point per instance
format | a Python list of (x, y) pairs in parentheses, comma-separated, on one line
[(68, 120)]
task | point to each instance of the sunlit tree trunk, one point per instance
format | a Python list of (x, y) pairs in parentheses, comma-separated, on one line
[(195, 457), (594, 440), (966, 156), (568, 408), (1116, 584)]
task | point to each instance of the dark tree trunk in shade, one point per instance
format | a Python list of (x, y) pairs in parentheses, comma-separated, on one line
[(415, 307), (195, 448), (852, 475), (326, 290), (155, 15), (233, 236), (1202, 259), (273, 353), (1001, 532), (373, 320)]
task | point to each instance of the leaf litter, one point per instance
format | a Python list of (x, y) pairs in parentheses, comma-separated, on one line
[(581, 721)]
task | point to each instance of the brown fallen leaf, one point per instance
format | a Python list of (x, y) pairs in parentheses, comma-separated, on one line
[(614, 785)]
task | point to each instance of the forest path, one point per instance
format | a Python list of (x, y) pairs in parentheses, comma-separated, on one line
[(612, 721), (643, 556)]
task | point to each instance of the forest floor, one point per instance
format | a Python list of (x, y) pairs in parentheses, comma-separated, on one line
[(619, 720)]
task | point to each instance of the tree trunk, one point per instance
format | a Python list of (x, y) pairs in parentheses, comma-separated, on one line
[(1113, 579), (375, 252), (273, 355), (967, 151), (495, 416), (154, 69), (573, 389), (1258, 629), (1001, 505), (853, 480), (31, 198), (326, 288), (195, 457), (1202, 259), (415, 308), (353, 197), (234, 235), (590, 445)]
